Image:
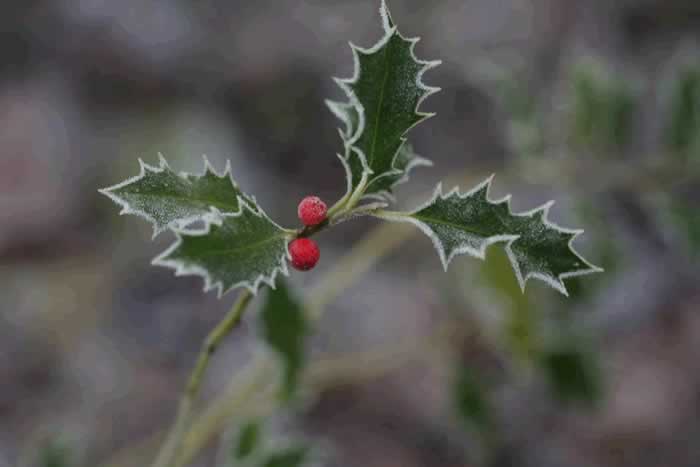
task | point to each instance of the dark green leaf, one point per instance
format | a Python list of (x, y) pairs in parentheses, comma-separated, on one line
[(248, 440), (170, 200), (245, 249), (285, 329), (469, 223), (384, 95)]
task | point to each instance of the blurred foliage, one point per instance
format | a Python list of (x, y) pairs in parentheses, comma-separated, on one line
[(55, 453), (603, 107), (573, 372), (569, 366), (285, 329), (294, 456), (471, 402), (247, 442), (683, 133), (520, 316), (525, 125), (686, 218), (258, 443), (602, 242)]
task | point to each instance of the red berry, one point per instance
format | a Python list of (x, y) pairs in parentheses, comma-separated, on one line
[(312, 211), (305, 253)]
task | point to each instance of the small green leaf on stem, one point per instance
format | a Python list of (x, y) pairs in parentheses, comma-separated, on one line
[(248, 440), (291, 457), (285, 329)]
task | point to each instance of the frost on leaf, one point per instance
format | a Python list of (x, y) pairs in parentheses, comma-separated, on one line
[(384, 96), (469, 223), (243, 249), (171, 200)]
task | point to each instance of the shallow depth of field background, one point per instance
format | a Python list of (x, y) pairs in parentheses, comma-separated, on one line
[(95, 343)]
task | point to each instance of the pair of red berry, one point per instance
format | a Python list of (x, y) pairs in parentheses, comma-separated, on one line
[(304, 251)]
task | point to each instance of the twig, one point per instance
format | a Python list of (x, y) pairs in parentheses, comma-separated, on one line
[(171, 448)]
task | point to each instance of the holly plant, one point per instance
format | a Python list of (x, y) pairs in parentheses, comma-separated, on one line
[(227, 238)]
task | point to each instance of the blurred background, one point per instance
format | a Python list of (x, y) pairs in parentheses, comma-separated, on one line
[(595, 104)]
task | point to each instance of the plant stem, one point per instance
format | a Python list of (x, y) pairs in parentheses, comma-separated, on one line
[(170, 450), (359, 191), (339, 205)]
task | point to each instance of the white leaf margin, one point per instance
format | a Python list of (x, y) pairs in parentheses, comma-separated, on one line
[(543, 211), (163, 165), (216, 217), (345, 84)]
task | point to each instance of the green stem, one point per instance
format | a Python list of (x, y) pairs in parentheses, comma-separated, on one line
[(359, 191), (171, 448), (339, 205), (349, 199), (390, 215)]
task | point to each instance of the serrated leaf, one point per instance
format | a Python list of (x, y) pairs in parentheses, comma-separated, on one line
[(285, 329), (243, 249), (171, 200), (469, 223), (291, 457), (384, 94), (348, 114), (248, 440)]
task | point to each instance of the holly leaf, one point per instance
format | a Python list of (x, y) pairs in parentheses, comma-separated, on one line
[(242, 249), (384, 96), (285, 329), (173, 201), (348, 114), (469, 223)]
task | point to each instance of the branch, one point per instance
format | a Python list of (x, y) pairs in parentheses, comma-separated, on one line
[(170, 450)]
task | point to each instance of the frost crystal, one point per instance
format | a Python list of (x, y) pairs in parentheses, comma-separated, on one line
[(243, 249), (170, 200), (468, 223), (384, 97)]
